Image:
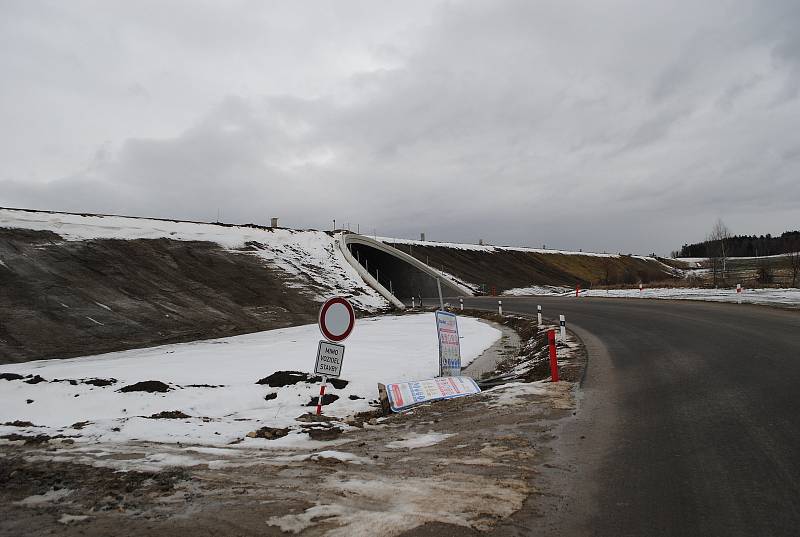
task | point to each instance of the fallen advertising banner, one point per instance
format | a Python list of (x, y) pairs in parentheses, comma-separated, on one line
[(404, 395)]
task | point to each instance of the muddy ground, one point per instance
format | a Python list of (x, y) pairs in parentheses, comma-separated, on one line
[(460, 467)]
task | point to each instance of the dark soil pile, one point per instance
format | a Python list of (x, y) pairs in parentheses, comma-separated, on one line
[(97, 296), (150, 386), (288, 378), (169, 415), (270, 433)]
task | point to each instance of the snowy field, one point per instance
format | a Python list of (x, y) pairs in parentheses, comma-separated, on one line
[(493, 248), (302, 255), (784, 297), (214, 383)]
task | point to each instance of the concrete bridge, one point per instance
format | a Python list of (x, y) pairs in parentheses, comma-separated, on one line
[(396, 275)]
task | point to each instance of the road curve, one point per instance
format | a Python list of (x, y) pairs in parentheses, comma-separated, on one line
[(689, 421)]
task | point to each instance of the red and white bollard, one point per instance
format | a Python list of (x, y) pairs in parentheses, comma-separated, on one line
[(577, 291), (500, 307), (551, 340), (321, 395)]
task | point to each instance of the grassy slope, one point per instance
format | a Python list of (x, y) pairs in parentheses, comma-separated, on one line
[(507, 269)]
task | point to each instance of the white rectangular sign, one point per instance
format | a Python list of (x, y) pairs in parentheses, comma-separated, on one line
[(403, 395), (449, 344), (329, 359)]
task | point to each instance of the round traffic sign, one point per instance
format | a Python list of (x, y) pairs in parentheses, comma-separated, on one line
[(336, 319)]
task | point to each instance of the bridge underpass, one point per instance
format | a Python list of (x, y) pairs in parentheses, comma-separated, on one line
[(397, 272)]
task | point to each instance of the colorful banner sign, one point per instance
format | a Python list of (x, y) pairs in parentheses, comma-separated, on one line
[(404, 395), (449, 344)]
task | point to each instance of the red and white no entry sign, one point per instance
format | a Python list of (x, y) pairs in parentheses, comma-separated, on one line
[(336, 319)]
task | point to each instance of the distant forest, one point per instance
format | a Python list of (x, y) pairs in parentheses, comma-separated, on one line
[(748, 245)]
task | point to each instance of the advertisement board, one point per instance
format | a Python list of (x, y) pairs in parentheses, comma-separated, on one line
[(449, 344), (404, 395)]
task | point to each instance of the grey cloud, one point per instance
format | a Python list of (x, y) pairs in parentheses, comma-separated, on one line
[(613, 126)]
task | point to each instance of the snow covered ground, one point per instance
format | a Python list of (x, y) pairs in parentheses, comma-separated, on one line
[(302, 255), (493, 248), (787, 297), (214, 383)]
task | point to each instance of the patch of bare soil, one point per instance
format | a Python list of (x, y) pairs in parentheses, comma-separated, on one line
[(149, 386)]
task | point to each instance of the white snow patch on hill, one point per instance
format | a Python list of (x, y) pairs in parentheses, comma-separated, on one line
[(789, 297), (307, 257), (214, 382), (492, 248)]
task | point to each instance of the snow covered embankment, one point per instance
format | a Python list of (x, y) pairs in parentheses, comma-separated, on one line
[(784, 297), (309, 258), (212, 396)]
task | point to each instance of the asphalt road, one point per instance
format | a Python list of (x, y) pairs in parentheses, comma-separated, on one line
[(689, 421)]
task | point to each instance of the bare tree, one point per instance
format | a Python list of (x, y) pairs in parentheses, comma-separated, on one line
[(717, 245)]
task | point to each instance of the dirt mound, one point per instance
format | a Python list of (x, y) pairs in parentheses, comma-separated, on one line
[(280, 379), (270, 433), (35, 380), (169, 415), (18, 423), (100, 382), (10, 376), (97, 296), (150, 386), (327, 399)]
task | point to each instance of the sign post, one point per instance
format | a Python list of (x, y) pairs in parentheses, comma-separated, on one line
[(336, 321)]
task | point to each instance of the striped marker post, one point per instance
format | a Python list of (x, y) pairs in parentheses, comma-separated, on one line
[(321, 395), (539, 314), (563, 322), (551, 339), (500, 307)]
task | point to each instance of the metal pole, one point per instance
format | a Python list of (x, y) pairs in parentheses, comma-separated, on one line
[(441, 300)]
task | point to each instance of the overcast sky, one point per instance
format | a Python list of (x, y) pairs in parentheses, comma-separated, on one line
[(602, 125)]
